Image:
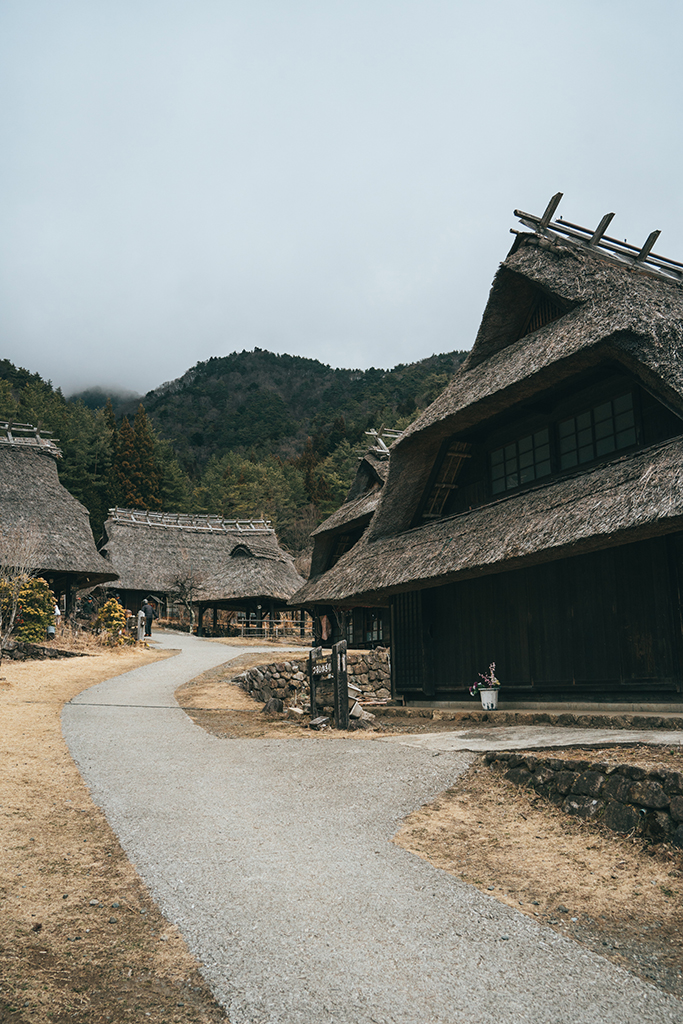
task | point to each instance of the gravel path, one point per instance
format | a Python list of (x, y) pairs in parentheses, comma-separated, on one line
[(273, 857)]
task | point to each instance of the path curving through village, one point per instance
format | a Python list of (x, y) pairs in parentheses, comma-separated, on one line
[(274, 857)]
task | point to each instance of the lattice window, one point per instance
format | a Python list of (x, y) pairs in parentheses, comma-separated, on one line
[(343, 543), (606, 428), (445, 484), (373, 626), (543, 311), (521, 462)]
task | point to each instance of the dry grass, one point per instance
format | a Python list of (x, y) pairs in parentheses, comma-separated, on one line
[(61, 958), (617, 895), (221, 707)]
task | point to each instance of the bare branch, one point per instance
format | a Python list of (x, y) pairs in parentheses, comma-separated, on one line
[(184, 584)]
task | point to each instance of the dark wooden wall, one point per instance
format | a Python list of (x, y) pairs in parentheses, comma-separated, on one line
[(602, 626)]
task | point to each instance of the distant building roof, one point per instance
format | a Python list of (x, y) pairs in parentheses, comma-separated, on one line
[(33, 500), (231, 559)]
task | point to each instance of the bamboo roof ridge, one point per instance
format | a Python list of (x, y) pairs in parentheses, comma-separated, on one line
[(26, 435), (34, 502), (188, 521), (228, 559), (641, 257)]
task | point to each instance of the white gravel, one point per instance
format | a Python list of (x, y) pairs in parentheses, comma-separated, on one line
[(274, 858)]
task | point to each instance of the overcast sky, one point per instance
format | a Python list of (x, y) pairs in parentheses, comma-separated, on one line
[(331, 178)]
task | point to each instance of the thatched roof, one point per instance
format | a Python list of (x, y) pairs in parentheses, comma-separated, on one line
[(610, 309), (637, 496), (33, 501), (353, 517), (350, 514), (616, 313), (363, 497), (230, 560)]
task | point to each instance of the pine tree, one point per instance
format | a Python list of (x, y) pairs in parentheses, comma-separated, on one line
[(110, 415), (126, 468), (136, 473), (85, 470), (149, 482)]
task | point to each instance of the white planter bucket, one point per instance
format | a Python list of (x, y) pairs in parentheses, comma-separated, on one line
[(489, 699)]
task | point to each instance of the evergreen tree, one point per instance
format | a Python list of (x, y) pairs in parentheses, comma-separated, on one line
[(149, 482), (126, 469), (176, 487), (110, 415), (85, 470), (8, 403), (236, 487), (135, 472)]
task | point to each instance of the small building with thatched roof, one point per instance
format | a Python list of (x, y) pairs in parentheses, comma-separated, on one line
[(533, 514), (37, 511), (360, 627), (201, 560)]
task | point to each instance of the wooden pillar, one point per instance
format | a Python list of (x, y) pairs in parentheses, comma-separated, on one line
[(259, 619), (341, 689), (271, 619), (302, 622), (200, 620), (215, 619)]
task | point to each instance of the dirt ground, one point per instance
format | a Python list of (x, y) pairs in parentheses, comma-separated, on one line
[(226, 711), (80, 938), (620, 896)]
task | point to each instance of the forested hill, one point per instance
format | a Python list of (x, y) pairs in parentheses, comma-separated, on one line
[(267, 403), (247, 435)]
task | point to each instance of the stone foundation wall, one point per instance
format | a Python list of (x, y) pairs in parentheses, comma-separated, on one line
[(288, 680), (21, 650), (622, 797)]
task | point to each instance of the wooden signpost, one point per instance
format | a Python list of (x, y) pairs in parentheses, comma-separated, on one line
[(328, 670)]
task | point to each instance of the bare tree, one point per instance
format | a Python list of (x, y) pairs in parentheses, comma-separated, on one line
[(18, 562), (184, 584)]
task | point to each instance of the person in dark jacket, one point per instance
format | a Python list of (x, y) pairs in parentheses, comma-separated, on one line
[(149, 615)]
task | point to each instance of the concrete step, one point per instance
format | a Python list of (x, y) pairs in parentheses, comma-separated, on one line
[(561, 716)]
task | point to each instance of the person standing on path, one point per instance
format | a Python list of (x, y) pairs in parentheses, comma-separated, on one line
[(141, 623), (149, 615)]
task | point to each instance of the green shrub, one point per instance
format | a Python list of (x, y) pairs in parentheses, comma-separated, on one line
[(36, 611), (112, 622)]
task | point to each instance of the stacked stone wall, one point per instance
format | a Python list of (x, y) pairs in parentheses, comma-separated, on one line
[(288, 680), (622, 797)]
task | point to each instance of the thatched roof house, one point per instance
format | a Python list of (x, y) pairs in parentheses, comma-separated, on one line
[(361, 627), (221, 563), (533, 514), (34, 504)]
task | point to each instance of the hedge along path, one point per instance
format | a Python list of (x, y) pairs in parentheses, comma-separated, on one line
[(64, 949)]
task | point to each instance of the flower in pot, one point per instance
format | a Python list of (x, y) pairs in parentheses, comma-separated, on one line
[(487, 686)]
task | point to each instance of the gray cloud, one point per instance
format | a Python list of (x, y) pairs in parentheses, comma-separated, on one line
[(182, 179)]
